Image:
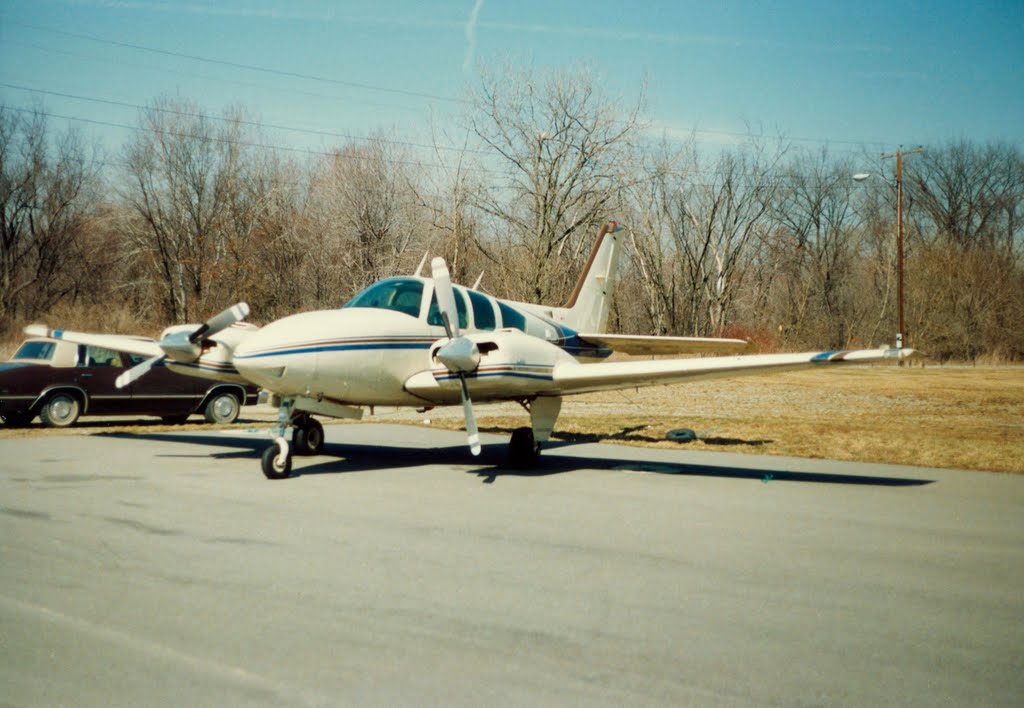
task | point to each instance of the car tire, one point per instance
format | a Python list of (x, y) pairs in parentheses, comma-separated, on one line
[(61, 410), (222, 408), (17, 420)]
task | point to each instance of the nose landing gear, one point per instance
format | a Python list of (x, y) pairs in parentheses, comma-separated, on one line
[(307, 438)]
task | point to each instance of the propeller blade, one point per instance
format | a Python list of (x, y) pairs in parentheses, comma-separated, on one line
[(445, 296), (472, 432), (220, 321), (136, 372), (460, 354)]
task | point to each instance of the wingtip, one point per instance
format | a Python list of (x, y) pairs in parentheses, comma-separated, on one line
[(37, 330)]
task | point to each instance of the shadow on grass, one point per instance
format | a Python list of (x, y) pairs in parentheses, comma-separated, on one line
[(491, 464)]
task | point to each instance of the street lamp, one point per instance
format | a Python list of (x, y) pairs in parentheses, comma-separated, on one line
[(860, 177)]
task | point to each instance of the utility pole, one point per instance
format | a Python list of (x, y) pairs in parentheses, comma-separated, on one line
[(899, 232)]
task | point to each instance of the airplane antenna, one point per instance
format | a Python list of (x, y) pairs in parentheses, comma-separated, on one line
[(478, 279), (423, 262)]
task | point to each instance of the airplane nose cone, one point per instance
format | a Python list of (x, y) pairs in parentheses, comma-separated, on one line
[(258, 363), (283, 356)]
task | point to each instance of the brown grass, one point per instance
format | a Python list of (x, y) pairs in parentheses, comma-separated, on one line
[(954, 417), (963, 417)]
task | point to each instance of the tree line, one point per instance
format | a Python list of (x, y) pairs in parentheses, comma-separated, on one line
[(758, 239)]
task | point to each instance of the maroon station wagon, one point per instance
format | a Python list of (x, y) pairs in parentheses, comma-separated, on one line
[(59, 381)]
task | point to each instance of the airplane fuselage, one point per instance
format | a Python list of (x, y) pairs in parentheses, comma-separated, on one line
[(378, 349)]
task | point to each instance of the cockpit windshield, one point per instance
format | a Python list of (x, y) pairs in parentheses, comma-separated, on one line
[(398, 294)]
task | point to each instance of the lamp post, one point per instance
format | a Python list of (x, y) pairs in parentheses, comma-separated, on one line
[(899, 228)]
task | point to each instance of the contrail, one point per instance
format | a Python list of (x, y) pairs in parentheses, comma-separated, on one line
[(470, 30)]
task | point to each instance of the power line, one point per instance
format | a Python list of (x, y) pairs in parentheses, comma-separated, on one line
[(403, 92), (241, 143), (255, 124), (239, 65)]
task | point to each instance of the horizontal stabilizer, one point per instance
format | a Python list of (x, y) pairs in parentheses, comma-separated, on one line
[(640, 345)]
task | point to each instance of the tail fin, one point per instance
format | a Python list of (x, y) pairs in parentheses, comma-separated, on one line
[(590, 303)]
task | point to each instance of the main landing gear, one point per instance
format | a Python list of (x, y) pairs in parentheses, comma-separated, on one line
[(307, 438), (523, 449), (524, 446)]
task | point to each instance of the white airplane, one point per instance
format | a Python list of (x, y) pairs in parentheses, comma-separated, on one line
[(422, 342)]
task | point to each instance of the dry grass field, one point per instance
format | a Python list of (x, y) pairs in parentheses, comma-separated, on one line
[(953, 417), (949, 416)]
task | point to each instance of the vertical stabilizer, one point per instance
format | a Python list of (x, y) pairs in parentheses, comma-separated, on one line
[(590, 303)]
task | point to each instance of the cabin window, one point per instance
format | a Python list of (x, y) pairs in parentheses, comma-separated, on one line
[(511, 318), (434, 315), (483, 312)]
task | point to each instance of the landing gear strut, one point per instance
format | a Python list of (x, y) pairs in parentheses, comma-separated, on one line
[(307, 438), (524, 447)]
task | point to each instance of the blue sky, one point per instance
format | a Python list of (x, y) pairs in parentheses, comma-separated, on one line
[(856, 75)]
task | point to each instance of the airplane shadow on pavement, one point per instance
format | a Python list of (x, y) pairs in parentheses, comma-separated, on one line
[(491, 465)]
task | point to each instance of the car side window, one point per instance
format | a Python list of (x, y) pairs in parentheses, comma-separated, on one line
[(36, 350), (99, 356)]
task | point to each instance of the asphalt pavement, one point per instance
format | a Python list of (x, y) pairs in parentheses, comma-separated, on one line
[(164, 569)]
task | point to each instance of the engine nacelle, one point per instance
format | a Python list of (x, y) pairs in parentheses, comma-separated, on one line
[(511, 363)]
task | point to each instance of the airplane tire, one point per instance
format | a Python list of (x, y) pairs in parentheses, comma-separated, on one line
[(271, 467), (308, 438), (523, 450)]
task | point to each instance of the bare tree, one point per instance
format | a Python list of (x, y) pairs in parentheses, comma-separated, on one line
[(657, 179), (47, 194), (716, 223), (177, 168), (815, 251), (963, 276), (557, 143), (359, 215)]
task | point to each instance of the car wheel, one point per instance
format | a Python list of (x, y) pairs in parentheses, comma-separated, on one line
[(61, 410), (222, 408), (17, 420)]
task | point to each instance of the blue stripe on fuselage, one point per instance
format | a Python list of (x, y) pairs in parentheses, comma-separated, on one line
[(337, 348)]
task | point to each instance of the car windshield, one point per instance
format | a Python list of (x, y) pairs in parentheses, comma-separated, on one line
[(398, 294), (36, 350)]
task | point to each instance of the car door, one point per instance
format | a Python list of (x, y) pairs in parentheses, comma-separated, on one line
[(95, 372), (165, 393)]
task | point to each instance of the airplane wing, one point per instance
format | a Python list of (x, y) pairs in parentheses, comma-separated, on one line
[(636, 344), (570, 377), (118, 342)]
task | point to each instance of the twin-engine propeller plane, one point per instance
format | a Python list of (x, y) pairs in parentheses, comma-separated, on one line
[(423, 342)]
